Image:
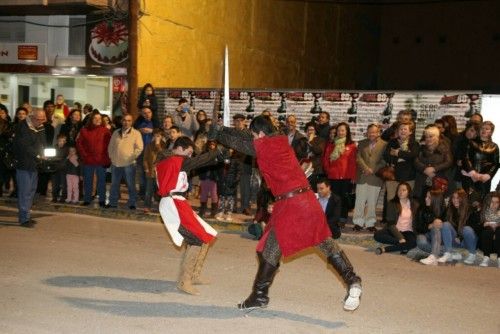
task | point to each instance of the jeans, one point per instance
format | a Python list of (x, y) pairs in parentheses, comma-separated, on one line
[(430, 242), (88, 176), (151, 187), (117, 174), (27, 182), (449, 236)]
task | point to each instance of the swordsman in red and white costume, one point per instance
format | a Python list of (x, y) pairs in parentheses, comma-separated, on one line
[(297, 221), (182, 223)]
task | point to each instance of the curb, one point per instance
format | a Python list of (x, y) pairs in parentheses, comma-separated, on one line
[(362, 239)]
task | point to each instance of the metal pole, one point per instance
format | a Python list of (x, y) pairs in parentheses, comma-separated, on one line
[(133, 10)]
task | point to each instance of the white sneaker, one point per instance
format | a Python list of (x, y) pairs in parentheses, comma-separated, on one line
[(456, 256), (485, 262), (470, 259), (352, 301), (445, 258), (430, 260), (219, 216)]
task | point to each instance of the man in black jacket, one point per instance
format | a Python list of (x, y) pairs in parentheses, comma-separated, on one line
[(28, 147), (331, 205)]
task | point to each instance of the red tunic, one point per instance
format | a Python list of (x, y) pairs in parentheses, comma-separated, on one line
[(169, 176), (298, 222)]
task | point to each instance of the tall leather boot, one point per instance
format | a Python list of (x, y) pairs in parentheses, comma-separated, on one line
[(213, 209), (203, 209), (263, 280), (197, 279), (187, 269), (344, 268)]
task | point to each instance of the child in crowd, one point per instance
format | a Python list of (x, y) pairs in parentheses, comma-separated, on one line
[(72, 169), (227, 182), (150, 154), (208, 183), (59, 176)]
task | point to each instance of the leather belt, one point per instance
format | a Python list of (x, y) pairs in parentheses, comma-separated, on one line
[(292, 193), (183, 194)]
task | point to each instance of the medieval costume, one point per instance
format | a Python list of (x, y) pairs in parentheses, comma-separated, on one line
[(297, 221), (181, 221)]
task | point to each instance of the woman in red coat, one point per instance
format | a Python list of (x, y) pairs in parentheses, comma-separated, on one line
[(297, 221), (92, 145), (339, 165)]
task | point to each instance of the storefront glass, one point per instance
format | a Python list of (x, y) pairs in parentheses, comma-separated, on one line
[(35, 89)]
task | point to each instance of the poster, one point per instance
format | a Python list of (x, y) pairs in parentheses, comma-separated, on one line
[(357, 108)]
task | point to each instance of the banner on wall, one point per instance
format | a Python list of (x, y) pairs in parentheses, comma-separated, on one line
[(107, 42), (359, 108)]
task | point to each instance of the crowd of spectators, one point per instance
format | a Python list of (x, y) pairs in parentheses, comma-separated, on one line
[(436, 189)]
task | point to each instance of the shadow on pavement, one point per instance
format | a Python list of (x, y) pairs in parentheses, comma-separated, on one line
[(118, 283), (180, 310)]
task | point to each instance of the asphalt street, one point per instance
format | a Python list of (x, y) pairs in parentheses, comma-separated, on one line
[(81, 274)]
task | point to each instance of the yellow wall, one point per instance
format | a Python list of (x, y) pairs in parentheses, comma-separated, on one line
[(272, 44)]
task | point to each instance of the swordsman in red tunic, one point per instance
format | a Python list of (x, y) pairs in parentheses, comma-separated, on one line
[(182, 223), (297, 221)]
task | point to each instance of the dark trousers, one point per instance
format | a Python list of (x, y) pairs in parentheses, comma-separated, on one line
[(245, 186), (59, 188), (43, 183), (342, 188), (488, 245), (385, 236)]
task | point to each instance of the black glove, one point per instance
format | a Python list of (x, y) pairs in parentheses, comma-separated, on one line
[(222, 153)]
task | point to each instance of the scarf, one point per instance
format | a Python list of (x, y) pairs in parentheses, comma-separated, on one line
[(339, 148), (403, 145)]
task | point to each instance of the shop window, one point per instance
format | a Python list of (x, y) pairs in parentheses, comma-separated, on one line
[(76, 40), (12, 31)]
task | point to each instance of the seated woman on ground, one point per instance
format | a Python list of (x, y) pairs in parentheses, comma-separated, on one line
[(399, 231), (457, 230), (490, 235), (429, 218)]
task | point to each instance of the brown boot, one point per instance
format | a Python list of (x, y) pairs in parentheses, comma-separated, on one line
[(197, 279), (187, 269)]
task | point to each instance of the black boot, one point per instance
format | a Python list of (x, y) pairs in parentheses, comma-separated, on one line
[(263, 280), (203, 209), (344, 268), (213, 209)]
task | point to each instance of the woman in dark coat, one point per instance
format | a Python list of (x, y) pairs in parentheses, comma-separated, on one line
[(72, 126), (481, 161), (433, 160)]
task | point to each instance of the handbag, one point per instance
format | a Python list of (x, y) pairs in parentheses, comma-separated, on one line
[(387, 173)]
